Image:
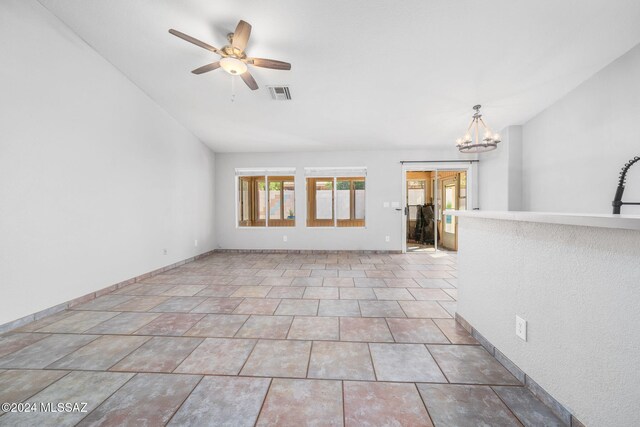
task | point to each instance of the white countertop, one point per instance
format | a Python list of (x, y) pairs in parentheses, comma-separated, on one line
[(627, 222)]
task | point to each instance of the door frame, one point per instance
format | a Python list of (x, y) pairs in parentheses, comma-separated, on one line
[(471, 168)]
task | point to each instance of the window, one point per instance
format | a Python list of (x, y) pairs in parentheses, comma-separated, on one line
[(281, 201), (336, 202), (266, 201), (251, 197)]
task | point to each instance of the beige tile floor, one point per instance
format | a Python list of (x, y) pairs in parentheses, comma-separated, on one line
[(268, 339)]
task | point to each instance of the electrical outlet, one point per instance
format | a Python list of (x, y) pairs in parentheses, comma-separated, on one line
[(521, 328), (195, 243), (387, 238), (284, 238)]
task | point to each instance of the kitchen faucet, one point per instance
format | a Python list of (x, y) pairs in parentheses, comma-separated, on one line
[(617, 200)]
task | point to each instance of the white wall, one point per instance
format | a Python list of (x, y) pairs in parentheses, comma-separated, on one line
[(577, 287), (574, 150), (95, 179), (514, 139), (493, 174), (384, 184), (500, 173)]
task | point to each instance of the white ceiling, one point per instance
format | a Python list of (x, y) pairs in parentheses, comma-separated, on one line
[(366, 74)]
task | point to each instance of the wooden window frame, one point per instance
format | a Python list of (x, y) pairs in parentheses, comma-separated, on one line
[(352, 221), (284, 222), (241, 220), (333, 222), (253, 220), (311, 203), (253, 197)]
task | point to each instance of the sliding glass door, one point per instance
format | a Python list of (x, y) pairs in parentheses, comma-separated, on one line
[(427, 193)]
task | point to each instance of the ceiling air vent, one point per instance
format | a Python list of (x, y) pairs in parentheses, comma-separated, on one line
[(280, 93)]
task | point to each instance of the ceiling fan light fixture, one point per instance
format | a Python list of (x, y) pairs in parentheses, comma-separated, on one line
[(233, 66), (234, 59)]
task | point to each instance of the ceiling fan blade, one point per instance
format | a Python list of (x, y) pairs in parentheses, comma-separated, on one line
[(197, 42), (249, 80), (207, 68), (270, 63), (241, 35)]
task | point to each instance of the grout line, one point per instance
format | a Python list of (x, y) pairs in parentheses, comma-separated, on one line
[(443, 333), (393, 337), (344, 411), (425, 405), (437, 364), (271, 376), (110, 396), (405, 313), (43, 389), (128, 354), (441, 306), (264, 399), (243, 323), (255, 344), (507, 406), (373, 365), (261, 338), (181, 361), (73, 351), (309, 359), (184, 400)]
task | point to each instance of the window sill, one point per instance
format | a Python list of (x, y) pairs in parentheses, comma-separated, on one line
[(333, 226), (262, 227)]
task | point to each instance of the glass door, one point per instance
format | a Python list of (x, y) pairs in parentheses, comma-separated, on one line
[(428, 191), (449, 222), (419, 212)]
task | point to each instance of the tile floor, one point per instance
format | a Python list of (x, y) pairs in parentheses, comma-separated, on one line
[(268, 339)]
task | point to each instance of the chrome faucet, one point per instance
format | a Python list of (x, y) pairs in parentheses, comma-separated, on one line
[(617, 200)]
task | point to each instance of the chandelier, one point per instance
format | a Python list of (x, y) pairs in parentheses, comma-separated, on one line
[(471, 143)]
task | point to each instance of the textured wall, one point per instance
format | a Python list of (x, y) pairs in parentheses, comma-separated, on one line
[(579, 290)]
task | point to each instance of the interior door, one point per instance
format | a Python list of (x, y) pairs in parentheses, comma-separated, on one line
[(449, 222)]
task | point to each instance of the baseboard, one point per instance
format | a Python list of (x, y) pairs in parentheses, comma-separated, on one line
[(14, 324), (556, 407), (306, 251)]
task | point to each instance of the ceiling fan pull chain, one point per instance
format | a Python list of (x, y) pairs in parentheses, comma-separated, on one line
[(233, 89)]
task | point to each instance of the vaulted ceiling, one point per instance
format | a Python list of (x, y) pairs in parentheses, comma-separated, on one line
[(366, 74)]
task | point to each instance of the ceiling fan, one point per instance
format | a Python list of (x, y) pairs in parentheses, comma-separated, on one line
[(234, 59)]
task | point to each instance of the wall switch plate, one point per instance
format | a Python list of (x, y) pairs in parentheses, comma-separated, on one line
[(521, 328), (387, 238), (284, 238), (395, 204), (164, 251), (195, 243), (385, 204)]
